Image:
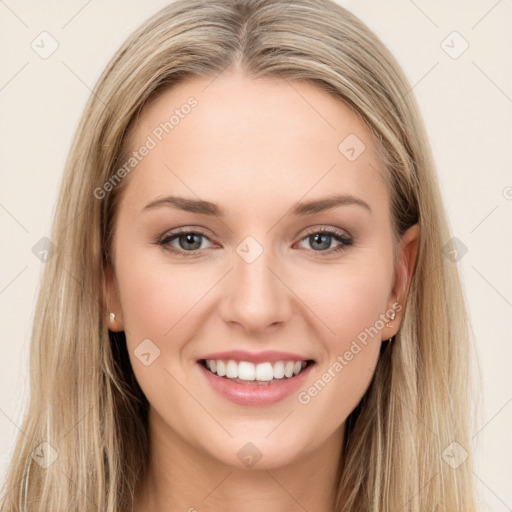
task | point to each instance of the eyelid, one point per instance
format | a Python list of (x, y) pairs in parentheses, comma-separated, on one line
[(202, 231), (322, 228)]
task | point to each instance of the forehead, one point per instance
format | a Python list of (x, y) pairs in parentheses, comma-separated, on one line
[(266, 140)]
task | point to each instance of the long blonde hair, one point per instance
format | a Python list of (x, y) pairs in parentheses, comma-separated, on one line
[(85, 402)]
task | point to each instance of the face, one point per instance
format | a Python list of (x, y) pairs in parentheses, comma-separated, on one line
[(248, 264)]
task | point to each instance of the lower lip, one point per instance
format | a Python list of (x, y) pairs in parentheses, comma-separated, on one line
[(255, 394)]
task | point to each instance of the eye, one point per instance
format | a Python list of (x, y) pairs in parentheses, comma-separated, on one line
[(189, 241), (321, 239)]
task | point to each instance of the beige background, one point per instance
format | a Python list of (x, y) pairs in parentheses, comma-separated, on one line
[(467, 105)]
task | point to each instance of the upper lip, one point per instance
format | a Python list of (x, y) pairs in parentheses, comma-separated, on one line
[(255, 357)]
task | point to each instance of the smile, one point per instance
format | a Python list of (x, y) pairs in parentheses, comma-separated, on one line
[(254, 379)]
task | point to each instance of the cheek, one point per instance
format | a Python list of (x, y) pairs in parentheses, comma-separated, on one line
[(156, 297), (349, 304), (348, 299), (160, 303)]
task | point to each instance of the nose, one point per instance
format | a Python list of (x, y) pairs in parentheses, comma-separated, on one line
[(256, 297)]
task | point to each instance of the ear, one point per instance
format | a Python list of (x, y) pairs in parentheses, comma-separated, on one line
[(403, 276), (113, 300)]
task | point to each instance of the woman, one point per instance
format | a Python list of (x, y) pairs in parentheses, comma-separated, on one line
[(250, 306)]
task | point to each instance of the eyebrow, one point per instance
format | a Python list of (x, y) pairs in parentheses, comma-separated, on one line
[(300, 209)]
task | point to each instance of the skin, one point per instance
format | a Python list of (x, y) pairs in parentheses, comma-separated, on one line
[(256, 148)]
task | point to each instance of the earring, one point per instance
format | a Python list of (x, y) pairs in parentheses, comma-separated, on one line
[(393, 314), (112, 317)]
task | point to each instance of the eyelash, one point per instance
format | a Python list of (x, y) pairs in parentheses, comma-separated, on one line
[(346, 241)]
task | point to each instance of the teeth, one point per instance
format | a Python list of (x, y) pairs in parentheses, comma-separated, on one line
[(264, 371), (288, 369), (232, 370), (221, 368), (279, 370), (245, 370)]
